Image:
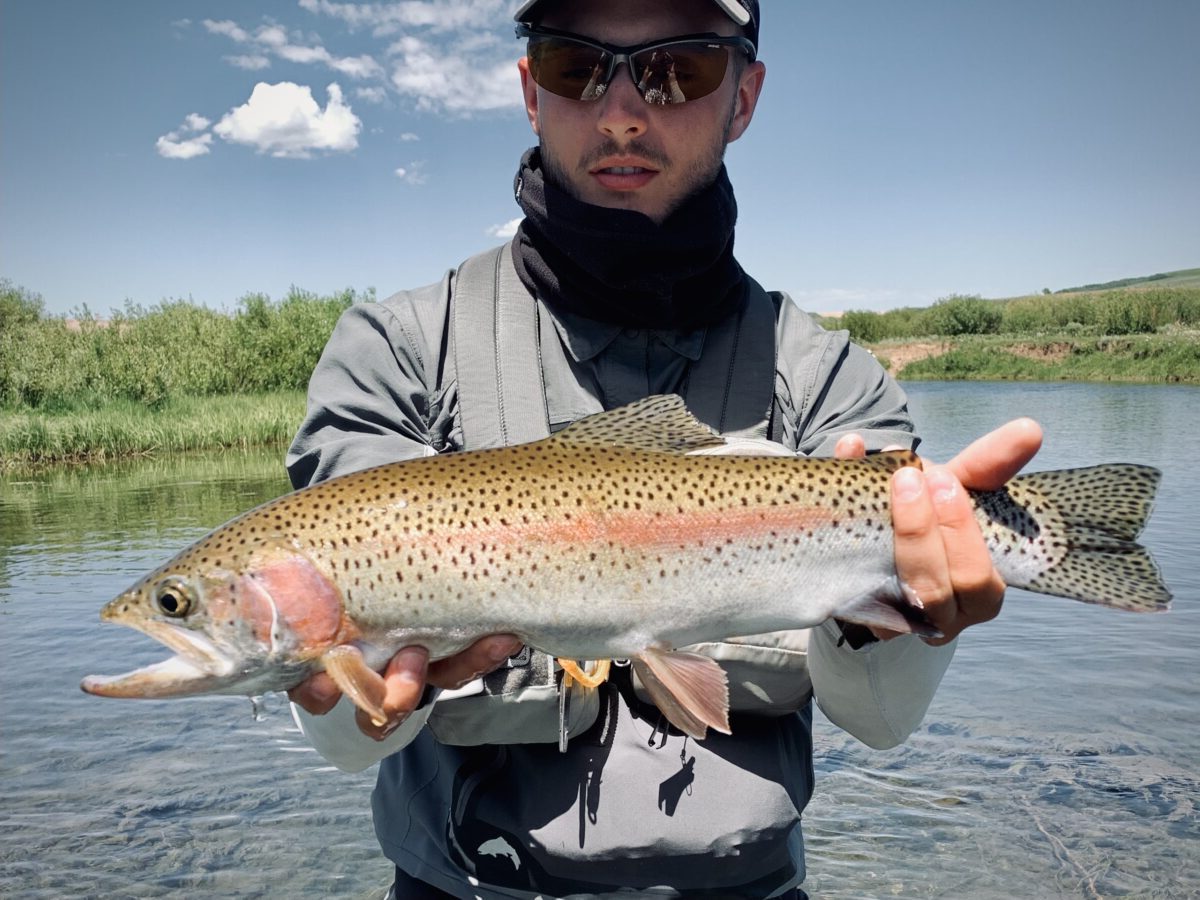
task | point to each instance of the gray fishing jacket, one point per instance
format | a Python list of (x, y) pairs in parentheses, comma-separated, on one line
[(473, 794)]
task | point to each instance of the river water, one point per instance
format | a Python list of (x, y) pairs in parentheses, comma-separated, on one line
[(1061, 757)]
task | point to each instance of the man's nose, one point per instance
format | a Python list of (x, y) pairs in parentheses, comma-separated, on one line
[(623, 113)]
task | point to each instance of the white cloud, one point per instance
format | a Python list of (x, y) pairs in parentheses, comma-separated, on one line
[(448, 56), (228, 28), (357, 66), (443, 79), (295, 54), (506, 230), (251, 62), (437, 15), (173, 145), (274, 39), (271, 35), (371, 94), (284, 120), (414, 173), (409, 136)]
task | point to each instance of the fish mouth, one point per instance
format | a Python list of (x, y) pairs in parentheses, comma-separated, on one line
[(197, 666)]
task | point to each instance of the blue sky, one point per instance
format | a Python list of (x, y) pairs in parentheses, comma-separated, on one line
[(902, 151)]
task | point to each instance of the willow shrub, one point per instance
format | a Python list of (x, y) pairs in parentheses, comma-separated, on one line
[(150, 355)]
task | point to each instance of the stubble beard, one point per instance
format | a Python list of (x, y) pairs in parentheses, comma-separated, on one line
[(698, 176)]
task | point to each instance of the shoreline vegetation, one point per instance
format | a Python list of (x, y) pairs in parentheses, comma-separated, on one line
[(180, 377)]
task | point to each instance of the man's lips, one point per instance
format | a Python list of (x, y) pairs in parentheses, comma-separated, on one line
[(623, 176)]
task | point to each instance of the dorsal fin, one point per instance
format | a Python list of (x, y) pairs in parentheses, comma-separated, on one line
[(660, 423)]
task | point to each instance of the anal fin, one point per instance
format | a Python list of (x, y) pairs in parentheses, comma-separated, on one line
[(592, 679), (690, 689), (363, 685)]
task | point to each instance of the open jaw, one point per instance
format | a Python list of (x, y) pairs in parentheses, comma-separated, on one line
[(198, 666)]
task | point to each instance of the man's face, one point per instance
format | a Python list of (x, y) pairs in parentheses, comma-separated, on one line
[(620, 151)]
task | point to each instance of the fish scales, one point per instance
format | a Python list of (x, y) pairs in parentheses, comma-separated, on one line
[(612, 539), (496, 539)]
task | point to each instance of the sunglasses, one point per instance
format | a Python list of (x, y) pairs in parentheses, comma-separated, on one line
[(674, 70)]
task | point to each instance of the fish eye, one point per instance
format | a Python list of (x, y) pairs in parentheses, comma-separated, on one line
[(173, 598)]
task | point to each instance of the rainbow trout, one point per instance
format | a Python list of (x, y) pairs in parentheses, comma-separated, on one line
[(617, 538)]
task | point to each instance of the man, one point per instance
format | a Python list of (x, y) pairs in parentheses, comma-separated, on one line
[(622, 283)]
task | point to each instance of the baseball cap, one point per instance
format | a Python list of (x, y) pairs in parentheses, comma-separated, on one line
[(743, 13)]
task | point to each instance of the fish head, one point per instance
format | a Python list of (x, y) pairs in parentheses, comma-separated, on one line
[(242, 626)]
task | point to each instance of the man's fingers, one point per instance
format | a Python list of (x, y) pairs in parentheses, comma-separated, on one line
[(405, 682), (850, 446), (316, 695), (987, 463), (480, 658), (920, 557), (976, 588)]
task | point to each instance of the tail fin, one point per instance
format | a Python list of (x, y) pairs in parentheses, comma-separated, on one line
[(1100, 511)]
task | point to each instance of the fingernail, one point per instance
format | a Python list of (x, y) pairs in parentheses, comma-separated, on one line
[(942, 484), (908, 484)]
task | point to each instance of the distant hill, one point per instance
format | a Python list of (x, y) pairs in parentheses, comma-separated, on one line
[(1180, 278)]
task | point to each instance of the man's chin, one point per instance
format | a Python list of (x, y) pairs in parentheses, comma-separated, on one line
[(631, 202)]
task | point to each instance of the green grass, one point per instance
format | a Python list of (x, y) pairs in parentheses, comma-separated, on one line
[(149, 381), (1142, 310), (1167, 358), (124, 428)]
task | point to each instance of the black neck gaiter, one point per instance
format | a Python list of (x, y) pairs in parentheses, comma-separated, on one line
[(619, 266)]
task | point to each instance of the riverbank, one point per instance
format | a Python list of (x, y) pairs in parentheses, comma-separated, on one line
[(1171, 357), (122, 429)]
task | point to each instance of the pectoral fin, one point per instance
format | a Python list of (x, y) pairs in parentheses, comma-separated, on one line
[(892, 605), (691, 689), (363, 685)]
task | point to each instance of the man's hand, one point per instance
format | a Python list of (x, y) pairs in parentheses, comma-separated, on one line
[(406, 676), (940, 551)]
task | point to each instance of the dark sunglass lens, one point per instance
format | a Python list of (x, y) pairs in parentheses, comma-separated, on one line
[(571, 70), (677, 73)]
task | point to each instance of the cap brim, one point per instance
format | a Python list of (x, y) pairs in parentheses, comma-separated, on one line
[(735, 11), (731, 8)]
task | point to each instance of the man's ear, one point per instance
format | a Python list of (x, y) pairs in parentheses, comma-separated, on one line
[(749, 86), (529, 87)]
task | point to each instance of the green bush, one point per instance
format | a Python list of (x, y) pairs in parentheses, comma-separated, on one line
[(17, 306), (956, 315), (150, 355), (870, 327), (277, 345), (864, 326)]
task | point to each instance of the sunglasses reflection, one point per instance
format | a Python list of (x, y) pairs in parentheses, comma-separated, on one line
[(658, 83)]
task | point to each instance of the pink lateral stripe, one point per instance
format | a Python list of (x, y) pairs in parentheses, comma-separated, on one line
[(636, 529)]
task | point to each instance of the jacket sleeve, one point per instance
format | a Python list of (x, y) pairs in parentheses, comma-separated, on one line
[(826, 387), (368, 400), (368, 404), (880, 693)]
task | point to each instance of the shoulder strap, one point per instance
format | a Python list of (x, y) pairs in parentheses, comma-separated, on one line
[(732, 384), (501, 397)]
